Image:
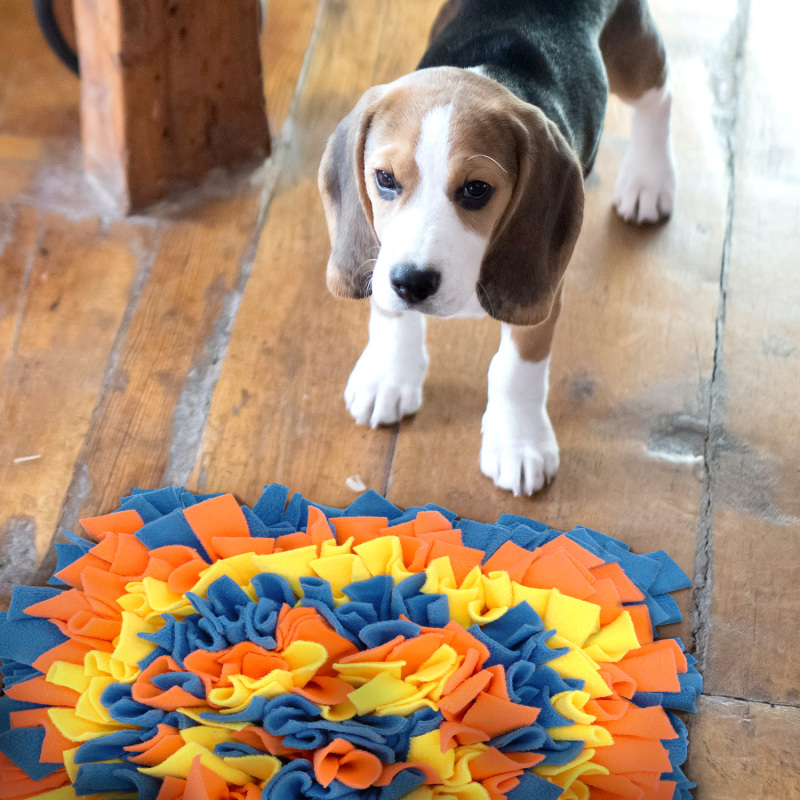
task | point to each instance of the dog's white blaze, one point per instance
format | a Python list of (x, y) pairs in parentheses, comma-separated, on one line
[(428, 232)]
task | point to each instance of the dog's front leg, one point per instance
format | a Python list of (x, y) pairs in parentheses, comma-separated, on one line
[(386, 383), (519, 450)]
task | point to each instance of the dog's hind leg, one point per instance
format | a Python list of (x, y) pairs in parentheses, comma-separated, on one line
[(386, 382), (636, 64)]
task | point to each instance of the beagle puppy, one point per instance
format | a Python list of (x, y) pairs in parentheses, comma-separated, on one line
[(457, 190)]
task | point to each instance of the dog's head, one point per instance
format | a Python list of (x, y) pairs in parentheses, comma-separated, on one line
[(442, 185)]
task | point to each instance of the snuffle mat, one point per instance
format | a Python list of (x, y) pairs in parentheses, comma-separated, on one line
[(199, 649)]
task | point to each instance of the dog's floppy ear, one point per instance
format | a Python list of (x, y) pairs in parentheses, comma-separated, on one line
[(533, 241), (347, 207)]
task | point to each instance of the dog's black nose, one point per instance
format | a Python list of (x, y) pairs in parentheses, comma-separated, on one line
[(414, 284)]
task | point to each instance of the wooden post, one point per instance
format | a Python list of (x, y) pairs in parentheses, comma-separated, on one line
[(170, 89)]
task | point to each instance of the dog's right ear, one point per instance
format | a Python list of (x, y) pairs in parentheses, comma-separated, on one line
[(354, 243), (524, 264)]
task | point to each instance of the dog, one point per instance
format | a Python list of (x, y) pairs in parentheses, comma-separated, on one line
[(457, 190)]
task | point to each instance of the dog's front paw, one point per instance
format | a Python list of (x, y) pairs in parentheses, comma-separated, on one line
[(381, 390), (519, 451)]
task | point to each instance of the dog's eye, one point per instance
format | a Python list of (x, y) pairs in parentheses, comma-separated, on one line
[(476, 190), (475, 195), (386, 181)]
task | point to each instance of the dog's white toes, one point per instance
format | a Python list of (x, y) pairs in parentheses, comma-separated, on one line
[(524, 460), (645, 188), (666, 200), (410, 399), (381, 392), (360, 407), (392, 403), (386, 408), (648, 206), (520, 468)]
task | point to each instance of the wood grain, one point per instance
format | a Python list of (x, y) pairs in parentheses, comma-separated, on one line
[(754, 635), (66, 326), (164, 356), (169, 91), (277, 413), (19, 230), (284, 44), (633, 351), (20, 159), (744, 750)]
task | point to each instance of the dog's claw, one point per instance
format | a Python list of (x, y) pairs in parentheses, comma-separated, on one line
[(643, 197), (521, 458)]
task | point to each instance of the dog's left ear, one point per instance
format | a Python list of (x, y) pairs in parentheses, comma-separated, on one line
[(347, 206), (534, 240)]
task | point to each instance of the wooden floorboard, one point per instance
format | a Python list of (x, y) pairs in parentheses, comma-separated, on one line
[(19, 229), (70, 310), (20, 158), (741, 750), (284, 46), (753, 637), (197, 342), (145, 415)]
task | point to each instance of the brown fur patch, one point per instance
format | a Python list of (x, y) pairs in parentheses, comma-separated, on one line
[(633, 51), (533, 342), (391, 145), (482, 145), (345, 202), (534, 240), (483, 149)]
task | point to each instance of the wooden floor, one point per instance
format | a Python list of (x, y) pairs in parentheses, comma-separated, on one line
[(197, 344)]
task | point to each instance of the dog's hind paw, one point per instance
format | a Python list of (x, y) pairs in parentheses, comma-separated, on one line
[(645, 188)]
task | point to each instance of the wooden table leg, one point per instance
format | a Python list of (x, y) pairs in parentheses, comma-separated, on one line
[(170, 89)]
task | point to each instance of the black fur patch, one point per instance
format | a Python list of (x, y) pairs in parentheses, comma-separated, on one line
[(545, 51)]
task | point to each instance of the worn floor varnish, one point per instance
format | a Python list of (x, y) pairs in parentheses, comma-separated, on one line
[(196, 343)]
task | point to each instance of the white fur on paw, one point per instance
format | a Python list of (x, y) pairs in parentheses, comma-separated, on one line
[(645, 187), (519, 452), (382, 390)]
